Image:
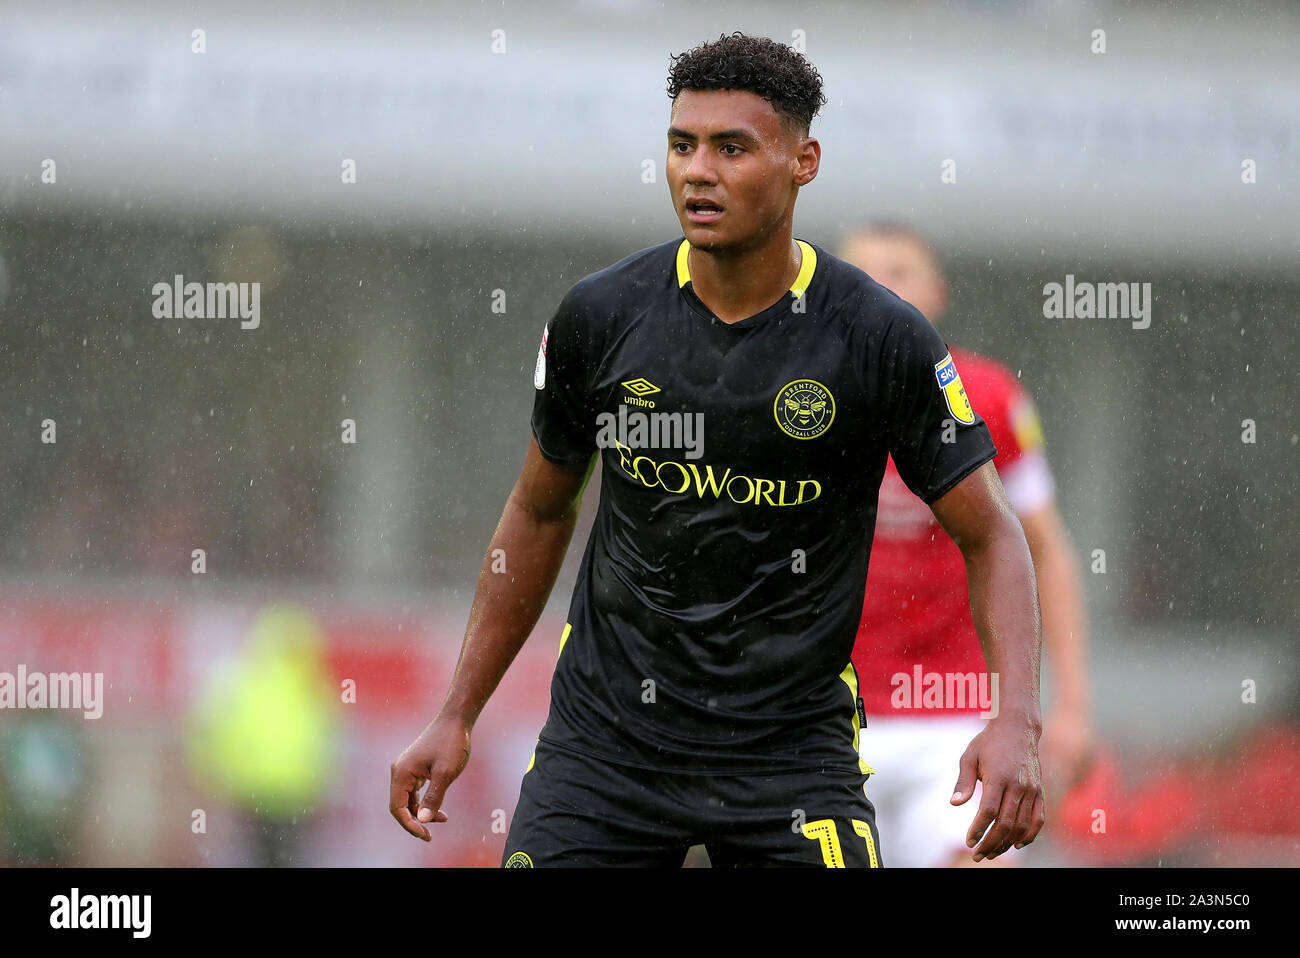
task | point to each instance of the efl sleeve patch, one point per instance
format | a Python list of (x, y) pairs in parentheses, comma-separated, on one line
[(539, 371), (562, 421)]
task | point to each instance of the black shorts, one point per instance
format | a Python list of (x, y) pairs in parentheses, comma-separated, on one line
[(581, 811)]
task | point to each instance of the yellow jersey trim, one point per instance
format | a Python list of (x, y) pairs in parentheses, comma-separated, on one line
[(564, 637), (806, 269), (683, 270), (850, 678)]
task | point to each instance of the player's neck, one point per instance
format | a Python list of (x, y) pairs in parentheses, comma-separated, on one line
[(737, 286)]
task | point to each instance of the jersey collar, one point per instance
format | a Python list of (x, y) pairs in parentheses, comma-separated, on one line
[(807, 266)]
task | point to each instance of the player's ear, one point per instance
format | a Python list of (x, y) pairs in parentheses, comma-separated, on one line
[(809, 158)]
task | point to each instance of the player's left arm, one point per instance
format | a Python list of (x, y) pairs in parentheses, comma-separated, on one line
[(1004, 606)]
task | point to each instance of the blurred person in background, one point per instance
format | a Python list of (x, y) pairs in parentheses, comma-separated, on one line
[(917, 611), (262, 737)]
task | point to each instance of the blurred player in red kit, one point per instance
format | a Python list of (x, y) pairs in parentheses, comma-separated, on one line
[(916, 630)]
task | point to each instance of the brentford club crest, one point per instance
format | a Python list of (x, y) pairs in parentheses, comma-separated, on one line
[(804, 409)]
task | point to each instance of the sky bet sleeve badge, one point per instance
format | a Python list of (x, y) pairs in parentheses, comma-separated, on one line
[(954, 393)]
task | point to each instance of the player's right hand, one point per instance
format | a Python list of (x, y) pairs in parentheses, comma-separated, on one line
[(437, 756)]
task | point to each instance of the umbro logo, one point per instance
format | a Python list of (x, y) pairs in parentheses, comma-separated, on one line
[(640, 387)]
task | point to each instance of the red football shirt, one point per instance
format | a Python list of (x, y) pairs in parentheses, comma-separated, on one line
[(917, 612)]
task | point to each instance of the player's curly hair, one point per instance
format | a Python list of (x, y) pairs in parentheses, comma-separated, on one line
[(772, 70)]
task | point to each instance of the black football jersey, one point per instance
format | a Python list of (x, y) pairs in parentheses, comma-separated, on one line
[(720, 592)]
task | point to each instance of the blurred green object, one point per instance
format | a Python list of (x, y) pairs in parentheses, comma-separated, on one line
[(42, 776)]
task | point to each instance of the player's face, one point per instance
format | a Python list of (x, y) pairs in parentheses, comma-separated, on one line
[(903, 266), (729, 148)]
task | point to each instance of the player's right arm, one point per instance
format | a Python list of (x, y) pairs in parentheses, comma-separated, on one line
[(534, 532)]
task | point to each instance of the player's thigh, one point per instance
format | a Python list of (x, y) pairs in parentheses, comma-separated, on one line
[(577, 811), (817, 819)]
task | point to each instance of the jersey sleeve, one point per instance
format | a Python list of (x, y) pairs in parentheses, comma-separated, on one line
[(563, 420), (934, 435)]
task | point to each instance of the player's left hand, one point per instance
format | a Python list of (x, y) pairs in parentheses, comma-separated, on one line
[(1004, 757)]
